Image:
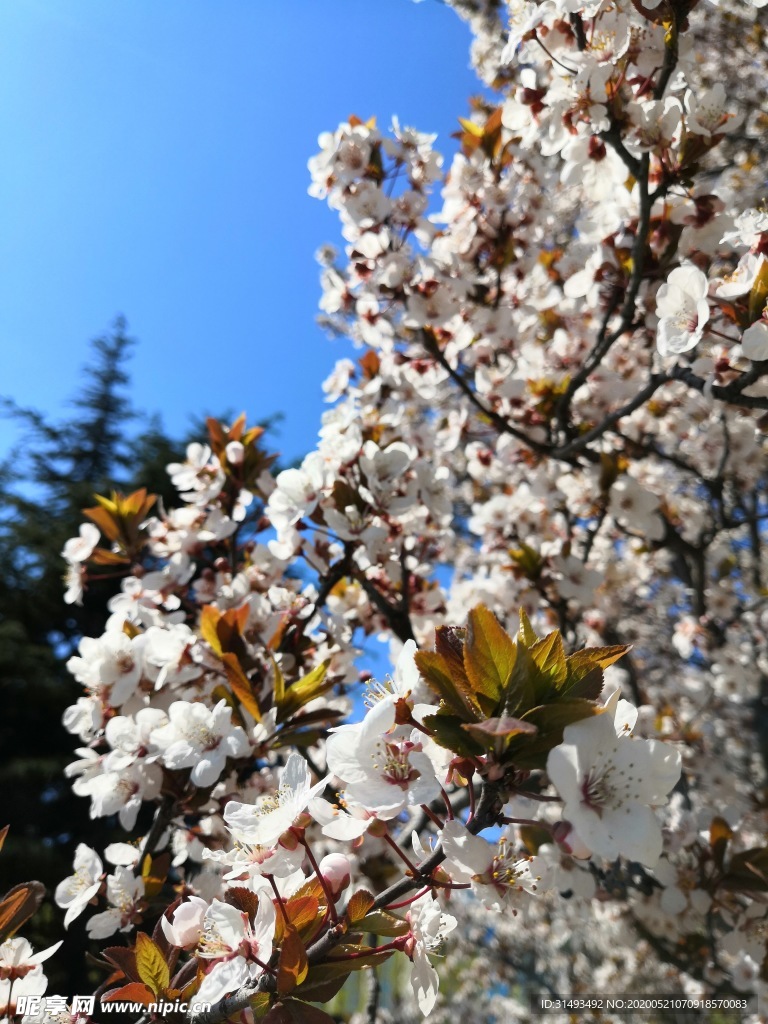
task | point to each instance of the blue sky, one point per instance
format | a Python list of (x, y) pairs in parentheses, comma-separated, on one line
[(154, 165)]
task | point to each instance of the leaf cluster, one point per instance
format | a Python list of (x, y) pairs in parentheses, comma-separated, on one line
[(509, 697)]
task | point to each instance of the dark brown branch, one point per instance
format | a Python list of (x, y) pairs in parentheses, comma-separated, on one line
[(604, 340), (613, 137), (501, 424), (580, 443), (399, 621), (729, 393), (163, 817), (670, 56)]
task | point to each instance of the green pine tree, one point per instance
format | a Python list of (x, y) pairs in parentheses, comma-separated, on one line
[(43, 487)]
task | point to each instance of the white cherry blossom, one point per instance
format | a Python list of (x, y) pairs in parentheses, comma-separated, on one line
[(683, 310), (124, 892), (498, 875), (185, 928), (706, 114), (384, 768), (262, 824), (80, 548), (754, 341), (17, 959), (75, 892), (227, 931), (610, 781), (200, 738), (429, 927)]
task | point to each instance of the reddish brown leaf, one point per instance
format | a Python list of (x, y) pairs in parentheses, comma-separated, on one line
[(244, 899), (135, 993), (360, 903), (124, 958), (18, 905), (292, 966)]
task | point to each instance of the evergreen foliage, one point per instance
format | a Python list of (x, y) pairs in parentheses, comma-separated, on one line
[(43, 486)]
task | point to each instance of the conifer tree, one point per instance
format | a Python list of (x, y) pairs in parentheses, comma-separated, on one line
[(44, 484)]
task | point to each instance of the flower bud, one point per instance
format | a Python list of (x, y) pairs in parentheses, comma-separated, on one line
[(235, 453), (335, 871)]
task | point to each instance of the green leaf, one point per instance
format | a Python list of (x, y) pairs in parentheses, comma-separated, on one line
[(260, 1005), (526, 635), (520, 693), (549, 656), (151, 965), (448, 731), (364, 957), (489, 656), (437, 674), (304, 738), (381, 922), (321, 989), (590, 686), (528, 560), (585, 675), (304, 690), (584, 661), (531, 751)]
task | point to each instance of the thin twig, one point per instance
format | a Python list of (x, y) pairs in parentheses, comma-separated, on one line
[(163, 817)]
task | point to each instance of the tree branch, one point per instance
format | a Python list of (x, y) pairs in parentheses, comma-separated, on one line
[(487, 814), (579, 444), (163, 817), (730, 393), (498, 421), (398, 619)]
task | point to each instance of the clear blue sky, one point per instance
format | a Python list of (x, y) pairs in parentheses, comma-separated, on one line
[(154, 165)]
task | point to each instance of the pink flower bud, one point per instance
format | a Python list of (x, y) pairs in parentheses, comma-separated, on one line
[(335, 871), (569, 840)]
